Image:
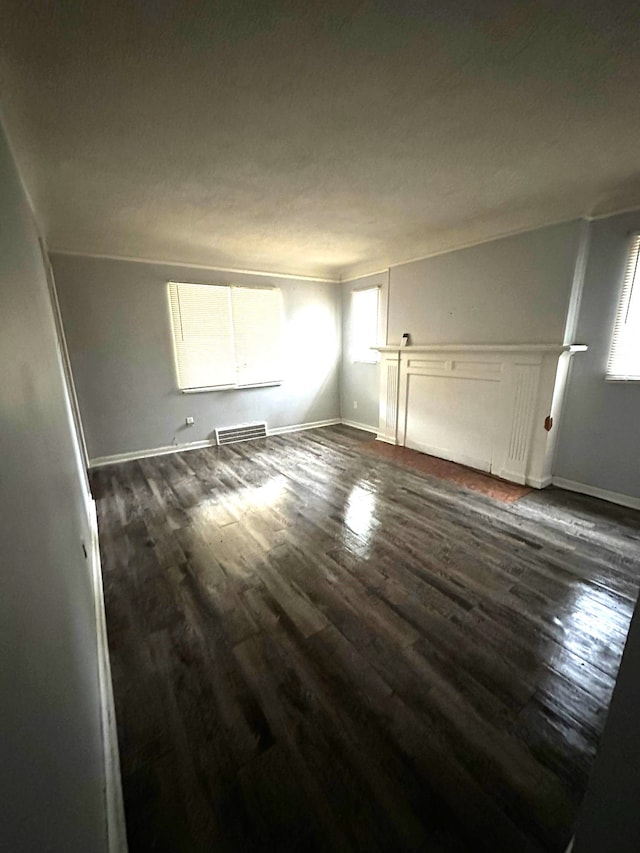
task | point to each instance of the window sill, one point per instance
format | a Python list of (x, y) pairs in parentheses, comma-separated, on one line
[(365, 361), (230, 387)]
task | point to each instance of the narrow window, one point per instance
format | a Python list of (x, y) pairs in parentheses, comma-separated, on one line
[(624, 356), (364, 325)]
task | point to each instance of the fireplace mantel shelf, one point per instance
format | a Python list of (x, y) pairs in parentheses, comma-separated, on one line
[(489, 406), (507, 348)]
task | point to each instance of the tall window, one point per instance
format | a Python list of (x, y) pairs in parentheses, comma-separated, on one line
[(364, 325), (624, 357), (226, 336)]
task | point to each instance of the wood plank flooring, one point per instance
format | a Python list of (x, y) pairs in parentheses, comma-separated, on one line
[(315, 649)]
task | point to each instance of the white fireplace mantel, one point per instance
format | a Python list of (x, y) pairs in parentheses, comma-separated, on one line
[(508, 348), (484, 405)]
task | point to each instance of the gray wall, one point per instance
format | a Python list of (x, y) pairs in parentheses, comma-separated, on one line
[(359, 383), (52, 768), (116, 321), (598, 441), (512, 290)]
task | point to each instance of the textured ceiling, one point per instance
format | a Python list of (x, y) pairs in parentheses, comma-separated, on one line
[(322, 138)]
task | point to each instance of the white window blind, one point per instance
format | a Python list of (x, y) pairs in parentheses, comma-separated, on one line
[(225, 336), (364, 324), (257, 332), (624, 356)]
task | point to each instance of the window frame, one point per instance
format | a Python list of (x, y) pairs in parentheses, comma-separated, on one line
[(236, 386), (375, 356), (630, 283)]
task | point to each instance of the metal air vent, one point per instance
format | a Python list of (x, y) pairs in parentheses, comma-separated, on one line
[(244, 432)]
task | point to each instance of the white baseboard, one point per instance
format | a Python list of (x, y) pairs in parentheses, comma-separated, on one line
[(596, 492), (514, 477), (101, 461), (380, 437), (461, 458), (535, 482), (356, 425), (299, 427), (116, 829), (539, 483)]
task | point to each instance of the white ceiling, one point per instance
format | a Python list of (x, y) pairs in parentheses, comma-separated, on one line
[(327, 138)]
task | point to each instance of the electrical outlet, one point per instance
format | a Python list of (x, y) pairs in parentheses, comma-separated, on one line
[(355, 404), (189, 421)]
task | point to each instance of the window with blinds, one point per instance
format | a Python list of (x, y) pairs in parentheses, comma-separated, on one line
[(624, 356), (226, 336), (364, 325)]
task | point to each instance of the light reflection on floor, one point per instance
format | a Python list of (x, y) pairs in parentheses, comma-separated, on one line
[(269, 494), (211, 512), (592, 611), (592, 629), (359, 518)]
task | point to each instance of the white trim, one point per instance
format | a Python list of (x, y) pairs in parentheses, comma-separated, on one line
[(596, 492), (189, 265), (515, 348), (382, 437), (475, 462), (300, 427), (597, 216), (207, 388), (539, 482), (511, 442), (356, 425), (366, 287), (101, 461), (383, 271), (570, 847), (504, 235), (349, 276), (116, 831)]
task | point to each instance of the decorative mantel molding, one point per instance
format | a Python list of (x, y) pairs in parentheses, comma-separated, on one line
[(483, 405), (507, 348)]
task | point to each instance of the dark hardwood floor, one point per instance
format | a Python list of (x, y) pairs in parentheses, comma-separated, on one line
[(315, 649)]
